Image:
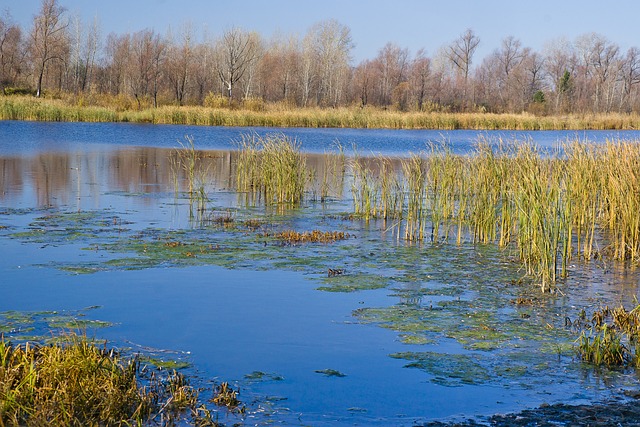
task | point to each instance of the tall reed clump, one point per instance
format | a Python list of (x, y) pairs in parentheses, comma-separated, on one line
[(443, 176), (581, 200), (365, 189), (621, 198), (376, 188), (75, 383), (273, 168), (187, 161), (542, 216), (333, 168), (415, 174)]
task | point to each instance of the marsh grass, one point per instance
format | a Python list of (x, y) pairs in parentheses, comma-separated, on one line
[(75, 383), (256, 113), (186, 162), (272, 168), (612, 338), (581, 200)]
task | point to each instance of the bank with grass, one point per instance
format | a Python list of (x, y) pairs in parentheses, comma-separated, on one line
[(266, 115)]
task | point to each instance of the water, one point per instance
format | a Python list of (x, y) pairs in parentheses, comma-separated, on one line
[(75, 198), (21, 137)]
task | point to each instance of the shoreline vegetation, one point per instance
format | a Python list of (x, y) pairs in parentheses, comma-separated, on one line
[(259, 114)]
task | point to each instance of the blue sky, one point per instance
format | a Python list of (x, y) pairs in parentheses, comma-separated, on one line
[(413, 24)]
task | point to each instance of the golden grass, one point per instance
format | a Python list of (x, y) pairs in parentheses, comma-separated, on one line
[(272, 168), (581, 201), (255, 113), (75, 383)]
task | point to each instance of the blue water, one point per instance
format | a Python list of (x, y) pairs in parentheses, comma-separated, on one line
[(21, 137), (230, 322)]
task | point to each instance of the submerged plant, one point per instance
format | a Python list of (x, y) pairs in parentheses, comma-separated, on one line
[(224, 395)]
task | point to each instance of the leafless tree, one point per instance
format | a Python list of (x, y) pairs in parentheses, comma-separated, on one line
[(461, 51), (11, 51), (179, 63), (237, 50), (328, 47), (147, 54), (84, 48), (279, 67), (49, 39), (630, 73), (391, 65), (421, 75), (559, 59)]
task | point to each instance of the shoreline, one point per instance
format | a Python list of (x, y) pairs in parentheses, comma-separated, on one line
[(52, 110)]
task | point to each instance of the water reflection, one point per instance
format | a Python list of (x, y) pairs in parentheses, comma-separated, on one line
[(60, 178)]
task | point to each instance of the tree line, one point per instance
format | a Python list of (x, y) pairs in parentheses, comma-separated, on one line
[(60, 54)]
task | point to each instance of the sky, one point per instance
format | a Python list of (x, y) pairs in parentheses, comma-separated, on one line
[(412, 24)]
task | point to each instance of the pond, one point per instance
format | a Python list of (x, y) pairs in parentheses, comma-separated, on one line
[(97, 231)]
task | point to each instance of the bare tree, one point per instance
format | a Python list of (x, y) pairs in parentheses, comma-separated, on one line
[(48, 39), (559, 66), (279, 67), (84, 48), (606, 63), (328, 47), (202, 77), (363, 77), (178, 64), (237, 50), (460, 54), (630, 73), (461, 51), (11, 51), (147, 53), (391, 65), (421, 75)]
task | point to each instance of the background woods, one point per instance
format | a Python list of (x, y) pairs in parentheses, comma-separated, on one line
[(61, 55)]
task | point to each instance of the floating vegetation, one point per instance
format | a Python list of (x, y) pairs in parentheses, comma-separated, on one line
[(448, 369), (315, 236), (44, 326), (330, 373), (354, 282), (263, 376), (165, 364)]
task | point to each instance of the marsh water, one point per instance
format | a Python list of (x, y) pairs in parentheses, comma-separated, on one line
[(97, 232)]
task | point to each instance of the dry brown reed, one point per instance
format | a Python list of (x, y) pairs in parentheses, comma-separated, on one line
[(217, 112)]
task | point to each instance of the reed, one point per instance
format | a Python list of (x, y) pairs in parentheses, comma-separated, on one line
[(73, 382), (416, 175), (548, 206), (364, 188), (103, 108), (186, 162), (273, 168)]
